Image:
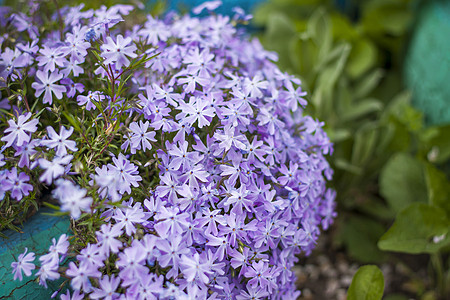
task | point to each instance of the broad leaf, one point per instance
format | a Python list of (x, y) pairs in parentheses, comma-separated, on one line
[(402, 181), (367, 284), (420, 228)]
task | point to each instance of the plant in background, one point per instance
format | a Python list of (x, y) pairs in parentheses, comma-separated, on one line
[(178, 148), (386, 161)]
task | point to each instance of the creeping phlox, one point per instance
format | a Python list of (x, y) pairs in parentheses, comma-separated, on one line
[(178, 148)]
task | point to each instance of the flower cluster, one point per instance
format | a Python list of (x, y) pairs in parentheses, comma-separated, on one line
[(179, 142)]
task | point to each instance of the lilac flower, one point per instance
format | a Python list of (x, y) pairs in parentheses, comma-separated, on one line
[(50, 58), (108, 286), (23, 264), (47, 85), (80, 276), (141, 137), (16, 184), (209, 5), (192, 268), (48, 271), (127, 219), (106, 237), (77, 295), (18, 135), (131, 263), (171, 252), (197, 110), (72, 87), (60, 141), (117, 52), (230, 182), (54, 168), (56, 249), (126, 171), (71, 197), (26, 151), (90, 98)]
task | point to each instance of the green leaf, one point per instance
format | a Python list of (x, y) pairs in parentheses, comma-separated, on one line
[(72, 121), (367, 284), (323, 94), (366, 84), (360, 236), (342, 164), (319, 30), (364, 144), (438, 188), (362, 57), (279, 30), (362, 108), (441, 144), (420, 228), (402, 181)]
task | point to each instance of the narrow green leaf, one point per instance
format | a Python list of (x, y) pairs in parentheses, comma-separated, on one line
[(368, 83), (361, 109), (72, 121), (364, 144), (367, 284)]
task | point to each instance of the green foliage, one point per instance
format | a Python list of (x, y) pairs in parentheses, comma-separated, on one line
[(361, 236), (402, 181), (420, 228), (367, 284)]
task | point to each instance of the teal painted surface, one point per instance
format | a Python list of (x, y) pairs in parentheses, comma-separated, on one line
[(226, 8), (427, 64), (37, 236)]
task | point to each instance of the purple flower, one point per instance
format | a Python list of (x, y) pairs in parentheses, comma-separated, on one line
[(47, 85), (127, 173), (60, 141), (23, 264), (80, 276), (108, 286), (117, 51), (89, 99), (71, 197), (106, 238), (49, 59), (129, 218), (141, 137), (16, 184), (56, 249), (54, 168), (25, 151), (18, 135), (192, 268)]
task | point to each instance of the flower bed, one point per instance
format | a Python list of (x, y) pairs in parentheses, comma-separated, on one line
[(178, 148)]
